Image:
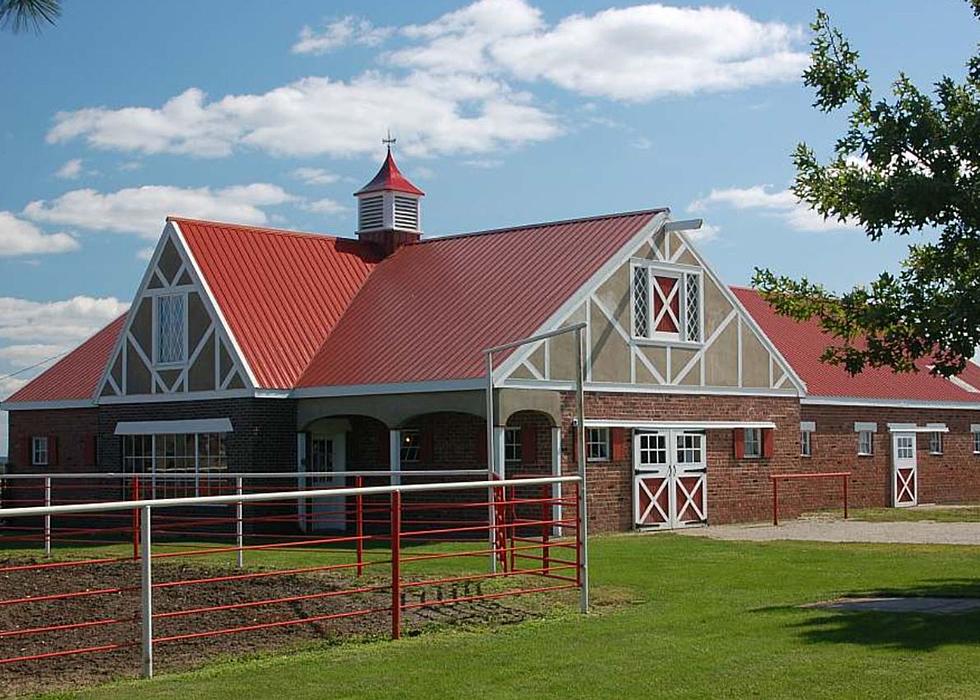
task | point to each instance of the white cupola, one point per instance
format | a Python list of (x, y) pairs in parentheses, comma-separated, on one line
[(388, 209)]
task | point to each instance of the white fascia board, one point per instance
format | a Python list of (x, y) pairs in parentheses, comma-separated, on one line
[(613, 263), (176, 398), (617, 388), (45, 405), (213, 303), (377, 389), (174, 427), (676, 425), (889, 403)]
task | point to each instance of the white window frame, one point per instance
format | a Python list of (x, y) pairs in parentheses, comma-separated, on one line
[(681, 273), (169, 487), (512, 445), (40, 451), (806, 443), (975, 432), (936, 443), (411, 444), (756, 442), (156, 330), (866, 436), (597, 445)]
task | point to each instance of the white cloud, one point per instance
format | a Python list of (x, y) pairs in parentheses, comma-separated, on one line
[(343, 32), (70, 170), (19, 237), (707, 232), (142, 210), (66, 322), (647, 51), (314, 176), (782, 204), (319, 116), (325, 206)]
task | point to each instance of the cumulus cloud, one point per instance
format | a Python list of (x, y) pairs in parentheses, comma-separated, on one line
[(70, 170), (707, 232), (325, 206), (142, 210), (346, 31), (781, 203), (19, 237), (315, 176), (319, 116)]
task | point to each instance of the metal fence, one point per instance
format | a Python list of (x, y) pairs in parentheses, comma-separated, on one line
[(385, 561)]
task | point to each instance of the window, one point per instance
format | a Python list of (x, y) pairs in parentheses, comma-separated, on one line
[(806, 447), (199, 456), (666, 304), (866, 443), (753, 442), (935, 443), (39, 451), (512, 444), (171, 326), (597, 444), (976, 442), (411, 446), (653, 449), (905, 447), (689, 448)]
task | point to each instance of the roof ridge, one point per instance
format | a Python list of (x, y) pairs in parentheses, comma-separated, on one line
[(265, 229), (544, 224)]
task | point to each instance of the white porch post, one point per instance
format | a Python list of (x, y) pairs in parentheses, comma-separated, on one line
[(395, 456), (499, 451), (556, 471)]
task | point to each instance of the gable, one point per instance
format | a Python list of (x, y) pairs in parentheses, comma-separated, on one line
[(150, 358), (690, 331)]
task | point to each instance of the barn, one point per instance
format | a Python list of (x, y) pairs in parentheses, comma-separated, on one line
[(259, 350)]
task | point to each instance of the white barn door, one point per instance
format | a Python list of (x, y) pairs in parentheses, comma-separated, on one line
[(905, 477), (669, 479)]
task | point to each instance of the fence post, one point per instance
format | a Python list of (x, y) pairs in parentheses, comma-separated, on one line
[(396, 544), (511, 510), (359, 516), (47, 518), (240, 522), (545, 529), (775, 501), (845, 495), (578, 538), (146, 595), (136, 518)]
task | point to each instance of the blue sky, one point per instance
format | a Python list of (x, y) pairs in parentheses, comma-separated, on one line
[(506, 112)]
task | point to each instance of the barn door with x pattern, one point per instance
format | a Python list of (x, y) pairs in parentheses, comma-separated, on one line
[(905, 479), (670, 479)]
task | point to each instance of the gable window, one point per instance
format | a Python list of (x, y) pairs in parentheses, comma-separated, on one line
[(936, 443), (410, 447), (39, 451), (512, 444), (753, 442), (171, 329), (597, 444), (666, 304)]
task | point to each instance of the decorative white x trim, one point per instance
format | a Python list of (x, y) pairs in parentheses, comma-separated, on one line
[(905, 485), (665, 303), (664, 516), (692, 498)]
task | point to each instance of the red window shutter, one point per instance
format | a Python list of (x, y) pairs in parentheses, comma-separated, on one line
[(767, 443), (88, 450), (619, 437), (53, 450), (425, 446), (739, 436), (529, 445)]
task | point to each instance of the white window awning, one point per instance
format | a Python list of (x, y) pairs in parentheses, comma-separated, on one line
[(913, 428), (173, 427), (676, 425)]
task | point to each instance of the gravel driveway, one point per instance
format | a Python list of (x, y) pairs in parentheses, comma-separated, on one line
[(846, 531)]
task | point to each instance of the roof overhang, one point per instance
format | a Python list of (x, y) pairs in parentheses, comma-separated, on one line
[(889, 403), (45, 405)]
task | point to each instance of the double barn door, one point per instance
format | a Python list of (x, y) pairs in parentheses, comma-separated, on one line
[(670, 474)]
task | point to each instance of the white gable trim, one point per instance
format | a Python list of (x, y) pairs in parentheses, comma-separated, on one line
[(215, 309)]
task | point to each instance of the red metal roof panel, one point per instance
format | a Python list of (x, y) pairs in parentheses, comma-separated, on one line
[(802, 344), (281, 292), (76, 376), (427, 311)]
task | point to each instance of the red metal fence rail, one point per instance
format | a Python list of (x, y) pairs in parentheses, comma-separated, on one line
[(381, 564), (801, 476)]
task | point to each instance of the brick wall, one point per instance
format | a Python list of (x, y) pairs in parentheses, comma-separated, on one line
[(953, 477)]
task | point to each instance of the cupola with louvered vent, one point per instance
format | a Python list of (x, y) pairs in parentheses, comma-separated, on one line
[(388, 209)]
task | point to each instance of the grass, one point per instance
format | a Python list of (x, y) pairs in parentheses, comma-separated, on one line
[(962, 514), (702, 618)]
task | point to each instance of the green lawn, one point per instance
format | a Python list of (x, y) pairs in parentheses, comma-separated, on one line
[(965, 514), (707, 619)]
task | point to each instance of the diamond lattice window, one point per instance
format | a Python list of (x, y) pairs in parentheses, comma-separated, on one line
[(641, 302), (170, 328), (692, 309)]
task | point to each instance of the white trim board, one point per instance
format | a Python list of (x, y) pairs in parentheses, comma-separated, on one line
[(913, 428), (888, 403), (679, 389), (45, 405), (676, 425), (173, 427)]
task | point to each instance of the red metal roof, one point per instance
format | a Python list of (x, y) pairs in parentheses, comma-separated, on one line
[(802, 344), (390, 178), (427, 312), (74, 377), (281, 292)]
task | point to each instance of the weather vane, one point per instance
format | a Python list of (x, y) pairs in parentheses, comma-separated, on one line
[(389, 140)]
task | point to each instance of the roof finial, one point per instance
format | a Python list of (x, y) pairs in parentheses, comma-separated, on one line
[(388, 141)]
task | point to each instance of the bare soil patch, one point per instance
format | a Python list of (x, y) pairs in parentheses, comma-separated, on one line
[(60, 672)]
